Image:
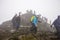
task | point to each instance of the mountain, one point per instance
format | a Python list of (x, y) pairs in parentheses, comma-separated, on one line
[(6, 27)]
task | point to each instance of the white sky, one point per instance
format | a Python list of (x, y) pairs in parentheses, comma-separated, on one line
[(47, 8)]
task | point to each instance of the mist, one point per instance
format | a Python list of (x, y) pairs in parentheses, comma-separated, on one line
[(47, 8)]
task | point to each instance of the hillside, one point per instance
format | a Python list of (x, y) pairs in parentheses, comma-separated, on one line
[(6, 27)]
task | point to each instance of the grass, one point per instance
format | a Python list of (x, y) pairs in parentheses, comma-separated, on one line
[(27, 37)]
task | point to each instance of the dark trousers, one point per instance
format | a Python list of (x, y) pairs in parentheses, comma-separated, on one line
[(58, 35), (17, 26), (33, 28), (58, 32)]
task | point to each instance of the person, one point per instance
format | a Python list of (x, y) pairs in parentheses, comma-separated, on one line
[(14, 20), (34, 21), (18, 21), (56, 23)]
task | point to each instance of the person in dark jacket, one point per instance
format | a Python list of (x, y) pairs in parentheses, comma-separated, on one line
[(14, 20), (18, 21), (56, 23)]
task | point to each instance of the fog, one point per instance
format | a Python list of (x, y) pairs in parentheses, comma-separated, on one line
[(47, 8)]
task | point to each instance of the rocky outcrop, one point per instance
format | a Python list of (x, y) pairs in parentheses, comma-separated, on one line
[(6, 27)]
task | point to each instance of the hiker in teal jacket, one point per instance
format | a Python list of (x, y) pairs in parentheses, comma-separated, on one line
[(34, 21)]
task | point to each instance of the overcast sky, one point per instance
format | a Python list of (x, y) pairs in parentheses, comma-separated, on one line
[(47, 8)]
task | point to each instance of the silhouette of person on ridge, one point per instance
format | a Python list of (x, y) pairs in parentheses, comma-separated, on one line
[(16, 21), (56, 23)]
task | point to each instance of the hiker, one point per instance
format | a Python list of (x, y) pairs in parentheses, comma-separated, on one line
[(34, 21), (18, 21), (14, 20), (56, 23)]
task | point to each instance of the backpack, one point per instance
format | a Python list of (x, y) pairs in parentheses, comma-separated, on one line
[(32, 18)]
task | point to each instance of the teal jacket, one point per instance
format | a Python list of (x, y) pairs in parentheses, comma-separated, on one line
[(35, 20)]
